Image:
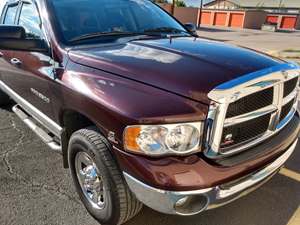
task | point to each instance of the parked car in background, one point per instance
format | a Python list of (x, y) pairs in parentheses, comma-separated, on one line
[(142, 110)]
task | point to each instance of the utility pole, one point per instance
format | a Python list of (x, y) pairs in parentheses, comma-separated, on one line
[(173, 7), (280, 5), (200, 16)]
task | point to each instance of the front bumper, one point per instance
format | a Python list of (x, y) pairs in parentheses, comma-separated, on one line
[(193, 202)]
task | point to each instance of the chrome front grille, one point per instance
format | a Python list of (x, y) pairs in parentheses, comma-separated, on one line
[(286, 109), (251, 103), (244, 132), (289, 86), (250, 109)]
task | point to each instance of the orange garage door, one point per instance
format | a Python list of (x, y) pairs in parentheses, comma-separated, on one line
[(288, 22), (236, 20), (205, 18), (272, 19), (220, 19)]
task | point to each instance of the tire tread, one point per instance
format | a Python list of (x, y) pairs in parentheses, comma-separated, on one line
[(129, 205)]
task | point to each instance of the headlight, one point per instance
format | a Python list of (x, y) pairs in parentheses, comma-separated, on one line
[(156, 140)]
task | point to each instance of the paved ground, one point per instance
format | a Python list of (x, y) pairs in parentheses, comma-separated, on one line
[(256, 39), (35, 190)]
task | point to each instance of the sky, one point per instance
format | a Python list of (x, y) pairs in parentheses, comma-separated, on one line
[(1, 4), (194, 2)]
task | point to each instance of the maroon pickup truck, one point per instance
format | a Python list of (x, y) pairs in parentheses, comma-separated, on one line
[(142, 110)]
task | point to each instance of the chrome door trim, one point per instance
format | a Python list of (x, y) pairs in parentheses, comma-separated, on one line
[(33, 111)]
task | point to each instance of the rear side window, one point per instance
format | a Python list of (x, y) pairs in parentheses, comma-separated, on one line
[(30, 20), (10, 15)]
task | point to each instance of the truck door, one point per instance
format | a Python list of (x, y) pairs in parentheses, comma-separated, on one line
[(8, 17), (31, 72)]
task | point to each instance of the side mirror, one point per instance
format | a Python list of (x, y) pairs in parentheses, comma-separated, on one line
[(14, 38), (192, 28)]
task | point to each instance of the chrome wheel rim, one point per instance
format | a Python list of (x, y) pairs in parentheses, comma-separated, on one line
[(90, 180)]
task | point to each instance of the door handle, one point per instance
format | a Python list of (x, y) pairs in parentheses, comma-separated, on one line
[(15, 61)]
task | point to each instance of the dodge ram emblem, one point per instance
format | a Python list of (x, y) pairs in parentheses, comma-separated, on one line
[(228, 139), (285, 74)]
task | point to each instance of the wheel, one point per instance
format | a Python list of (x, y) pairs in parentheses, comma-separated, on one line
[(4, 99), (98, 180)]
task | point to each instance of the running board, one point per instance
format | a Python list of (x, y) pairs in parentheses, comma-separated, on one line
[(33, 125)]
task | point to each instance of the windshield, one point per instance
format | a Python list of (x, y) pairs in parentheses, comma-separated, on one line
[(79, 19)]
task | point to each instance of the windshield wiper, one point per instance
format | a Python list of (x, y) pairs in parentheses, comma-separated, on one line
[(107, 34), (99, 34), (171, 30)]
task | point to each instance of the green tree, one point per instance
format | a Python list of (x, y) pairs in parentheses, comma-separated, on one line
[(161, 1), (180, 3)]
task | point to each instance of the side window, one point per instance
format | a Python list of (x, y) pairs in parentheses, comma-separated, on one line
[(30, 20), (10, 15)]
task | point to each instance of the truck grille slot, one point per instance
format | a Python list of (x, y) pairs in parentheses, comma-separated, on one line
[(251, 103), (286, 109), (242, 132), (290, 86), (246, 113)]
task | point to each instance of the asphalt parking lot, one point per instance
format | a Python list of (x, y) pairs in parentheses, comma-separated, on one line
[(35, 190), (256, 39)]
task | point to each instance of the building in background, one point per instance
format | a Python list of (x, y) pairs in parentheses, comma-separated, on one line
[(188, 3), (273, 6), (251, 14)]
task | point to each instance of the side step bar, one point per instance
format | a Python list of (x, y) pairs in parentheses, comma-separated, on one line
[(32, 124)]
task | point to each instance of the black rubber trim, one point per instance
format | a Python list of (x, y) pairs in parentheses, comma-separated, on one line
[(17, 32), (284, 138), (14, 44)]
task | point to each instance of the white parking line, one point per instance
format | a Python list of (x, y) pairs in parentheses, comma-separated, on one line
[(291, 174)]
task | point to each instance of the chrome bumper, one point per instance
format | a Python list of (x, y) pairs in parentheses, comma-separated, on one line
[(193, 202)]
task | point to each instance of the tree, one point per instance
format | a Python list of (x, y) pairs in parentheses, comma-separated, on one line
[(161, 1), (180, 3)]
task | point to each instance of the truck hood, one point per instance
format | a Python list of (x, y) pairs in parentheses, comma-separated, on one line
[(189, 67)]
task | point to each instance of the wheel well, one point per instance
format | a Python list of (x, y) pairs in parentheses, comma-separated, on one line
[(71, 122)]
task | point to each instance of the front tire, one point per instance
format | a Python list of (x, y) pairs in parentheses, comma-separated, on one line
[(98, 180)]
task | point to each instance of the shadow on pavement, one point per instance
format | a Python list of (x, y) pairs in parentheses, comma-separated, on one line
[(8, 107), (214, 29)]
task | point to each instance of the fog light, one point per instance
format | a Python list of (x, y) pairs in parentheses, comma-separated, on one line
[(181, 202), (191, 205)]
